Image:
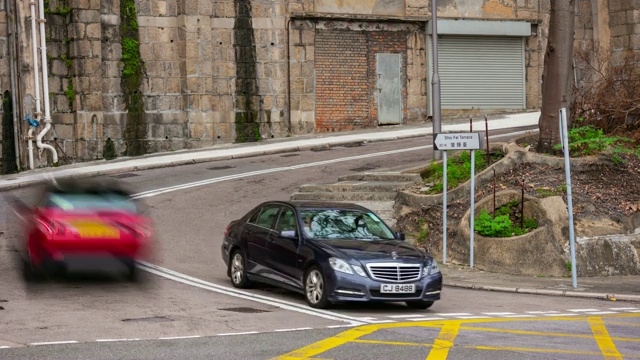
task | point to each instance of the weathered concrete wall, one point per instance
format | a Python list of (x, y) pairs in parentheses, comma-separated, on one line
[(378, 7)]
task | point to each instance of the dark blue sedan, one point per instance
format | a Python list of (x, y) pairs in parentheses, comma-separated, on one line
[(330, 252)]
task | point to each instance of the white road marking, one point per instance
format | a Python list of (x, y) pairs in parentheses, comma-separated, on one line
[(624, 308), (155, 192), (283, 304), (54, 343), (499, 313), (583, 310), (5, 347), (339, 326), (180, 337), (519, 316), (543, 312), (116, 340), (381, 321), (405, 316), (427, 319), (559, 315), (634, 311), (239, 333), (295, 329), (455, 314), (473, 317), (602, 312)]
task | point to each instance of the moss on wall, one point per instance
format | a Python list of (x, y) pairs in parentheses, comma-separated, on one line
[(135, 131)]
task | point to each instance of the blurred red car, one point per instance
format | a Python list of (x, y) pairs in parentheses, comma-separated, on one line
[(82, 221)]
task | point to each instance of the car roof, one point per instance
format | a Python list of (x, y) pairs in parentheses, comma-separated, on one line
[(94, 185), (300, 204)]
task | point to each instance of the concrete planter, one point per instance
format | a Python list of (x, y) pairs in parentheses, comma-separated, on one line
[(536, 253)]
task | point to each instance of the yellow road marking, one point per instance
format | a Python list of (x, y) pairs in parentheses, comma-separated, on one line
[(605, 343), (539, 350), (537, 333), (354, 334), (329, 343), (394, 343), (444, 342)]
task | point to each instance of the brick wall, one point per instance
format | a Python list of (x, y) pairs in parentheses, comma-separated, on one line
[(346, 78), (342, 99)]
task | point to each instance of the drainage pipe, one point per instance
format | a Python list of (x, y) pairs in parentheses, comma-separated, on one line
[(36, 77), (45, 86), (14, 91)]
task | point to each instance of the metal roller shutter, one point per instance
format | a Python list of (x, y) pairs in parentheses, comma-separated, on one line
[(481, 72)]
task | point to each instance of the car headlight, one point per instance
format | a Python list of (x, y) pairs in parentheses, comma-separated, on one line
[(340, 265), (359, 270), (432, 269)]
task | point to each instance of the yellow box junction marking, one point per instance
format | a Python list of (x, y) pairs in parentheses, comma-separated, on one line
[(603, 339), (439, 350)]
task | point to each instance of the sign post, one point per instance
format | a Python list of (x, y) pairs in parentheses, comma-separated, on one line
[(564, 139), (457, 141)]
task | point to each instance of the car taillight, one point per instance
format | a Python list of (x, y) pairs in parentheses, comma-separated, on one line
[(51, 227), (226, 232)]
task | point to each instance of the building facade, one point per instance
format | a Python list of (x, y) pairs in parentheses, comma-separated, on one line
[(161, 75)]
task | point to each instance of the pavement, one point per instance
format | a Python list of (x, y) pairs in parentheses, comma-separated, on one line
[(612, 288)]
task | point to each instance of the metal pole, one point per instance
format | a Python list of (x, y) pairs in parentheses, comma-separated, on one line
[(473, 210), (435, 83), (14, 88), (444, 207), (565, 146)]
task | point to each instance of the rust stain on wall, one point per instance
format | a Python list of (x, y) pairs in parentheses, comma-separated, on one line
[(499, 7)]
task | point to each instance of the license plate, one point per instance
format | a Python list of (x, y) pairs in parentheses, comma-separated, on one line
[(96, 230), (397, 288)]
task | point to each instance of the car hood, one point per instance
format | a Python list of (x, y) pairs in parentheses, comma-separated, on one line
[(371, 250)]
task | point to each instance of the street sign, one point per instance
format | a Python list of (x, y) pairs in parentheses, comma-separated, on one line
[(457, 141)]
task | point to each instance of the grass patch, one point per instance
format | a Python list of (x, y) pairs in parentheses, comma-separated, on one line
[(458, 170), (505, 223)]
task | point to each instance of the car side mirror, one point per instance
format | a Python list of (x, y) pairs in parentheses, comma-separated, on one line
[(400, 236), (289, 234)]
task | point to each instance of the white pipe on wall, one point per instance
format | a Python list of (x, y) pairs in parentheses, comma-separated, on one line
[(45, 87), (36, 77)]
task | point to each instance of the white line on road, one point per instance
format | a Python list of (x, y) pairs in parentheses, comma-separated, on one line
[(404, 316), (427, 319), (116, 340), (283, 304), (455, 314), (624, 308), (601, 312), (499, 313), (5, 347), (339, 326), (543, 312), (519, 316), (239, 333), (583, 310), (179, 337), (560, 315), (54, 343), (159, 191), (473, 317), (294, 329)]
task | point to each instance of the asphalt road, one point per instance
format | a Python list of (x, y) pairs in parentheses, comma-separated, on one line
[(188, 294)]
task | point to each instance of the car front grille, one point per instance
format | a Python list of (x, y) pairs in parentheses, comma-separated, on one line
[(394, 272)]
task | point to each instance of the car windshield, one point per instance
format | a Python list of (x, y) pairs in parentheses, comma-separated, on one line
[(344, 224), (88, 201)]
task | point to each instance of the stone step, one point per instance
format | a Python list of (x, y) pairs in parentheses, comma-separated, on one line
[(355, 186), (344, 196), (382, 176)]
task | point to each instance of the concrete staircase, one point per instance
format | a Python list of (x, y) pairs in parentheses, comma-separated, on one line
[(375, 191)]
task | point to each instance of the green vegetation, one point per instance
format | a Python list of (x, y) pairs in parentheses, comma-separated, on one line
[(135, 131), (502, 224), (546, 192), (458, 170), (589, 140), (109, 150), (421, 237), (62, 8)]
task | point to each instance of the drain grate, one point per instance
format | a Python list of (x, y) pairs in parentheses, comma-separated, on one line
[(245, 310), (289, 155), (221, 167), (364, 168), (149, 319), (125, 175)]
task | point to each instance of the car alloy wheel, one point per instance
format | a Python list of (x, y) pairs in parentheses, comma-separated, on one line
[(237, 270), (315, 293)]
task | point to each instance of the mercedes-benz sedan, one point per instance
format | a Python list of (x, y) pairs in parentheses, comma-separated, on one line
[(330, 252)]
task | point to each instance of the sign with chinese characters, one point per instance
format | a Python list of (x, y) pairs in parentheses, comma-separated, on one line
[(457, 141)]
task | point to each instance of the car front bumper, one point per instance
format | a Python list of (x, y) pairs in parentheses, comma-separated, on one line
[(352, 287)]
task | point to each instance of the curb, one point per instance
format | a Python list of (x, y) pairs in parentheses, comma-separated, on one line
[(549, 292), (125, 169)]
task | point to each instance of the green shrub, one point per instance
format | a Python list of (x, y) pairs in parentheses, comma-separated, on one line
[(458, 170), (501, 225)]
